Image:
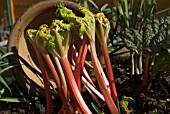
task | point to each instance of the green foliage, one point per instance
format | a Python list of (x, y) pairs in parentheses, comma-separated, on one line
[(141, 31), (83, 24), (8, 88), (4, 66), (88, 23), (12, 99)]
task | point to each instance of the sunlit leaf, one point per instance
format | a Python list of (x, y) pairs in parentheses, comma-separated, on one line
[(5, 83), (2, 91), (6, 54), (12, 99)]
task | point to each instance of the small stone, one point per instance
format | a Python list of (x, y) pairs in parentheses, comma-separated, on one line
[(21, 111), (155, 103), (162, 101), (150, 103)]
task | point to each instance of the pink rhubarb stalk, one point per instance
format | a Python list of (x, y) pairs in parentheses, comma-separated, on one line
[(80, 60), (58, 83), (73, 86), (46, 83), (102, 31)]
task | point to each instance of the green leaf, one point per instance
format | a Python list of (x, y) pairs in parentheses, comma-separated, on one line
[(134, 14), (86, 4), (2, 91), (161, 62), (12, 99), (2, 50), (126, 9), (6, 54), (104, 7), (94, 4), (162, 11), (120, 10), (125, 102), (5, 83), (141, 5), (96, 109), (7, 68), (3, 64)]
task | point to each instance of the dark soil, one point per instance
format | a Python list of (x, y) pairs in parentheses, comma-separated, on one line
[(154, 100), (23, 108)]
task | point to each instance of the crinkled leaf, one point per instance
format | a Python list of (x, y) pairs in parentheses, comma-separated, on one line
[(64, 31), (87, 23), (102, 26), (125, 102)]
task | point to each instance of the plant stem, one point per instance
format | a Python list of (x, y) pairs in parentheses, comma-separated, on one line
[(146, 70), (57, 80), (136, 63), (61, 75), (46, 83), (87, 77), (90, 87), (100, 80), (73, 86), (109, 71), (132, 61), (140, 62), (79, 66), (87, 86)]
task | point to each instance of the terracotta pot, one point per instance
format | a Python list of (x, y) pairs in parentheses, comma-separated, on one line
[(36, 15)]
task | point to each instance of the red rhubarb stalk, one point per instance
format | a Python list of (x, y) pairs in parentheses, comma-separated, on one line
[(46, 83), (109, 72), (32, 37), (101, 82), (79, 66), (58, 83), (102, 31), (73, 86)]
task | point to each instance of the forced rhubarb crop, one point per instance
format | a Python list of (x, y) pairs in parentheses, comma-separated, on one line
[(56, 40)]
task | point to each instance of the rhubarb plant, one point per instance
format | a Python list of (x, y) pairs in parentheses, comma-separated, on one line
[(102, 31), (58, 40), (87, 26), (31, 35)]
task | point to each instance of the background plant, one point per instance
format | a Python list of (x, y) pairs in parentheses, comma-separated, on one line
[(140, 30), (9, 89)]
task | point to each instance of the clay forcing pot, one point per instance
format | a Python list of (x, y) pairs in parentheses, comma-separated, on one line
[(36, 15)]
